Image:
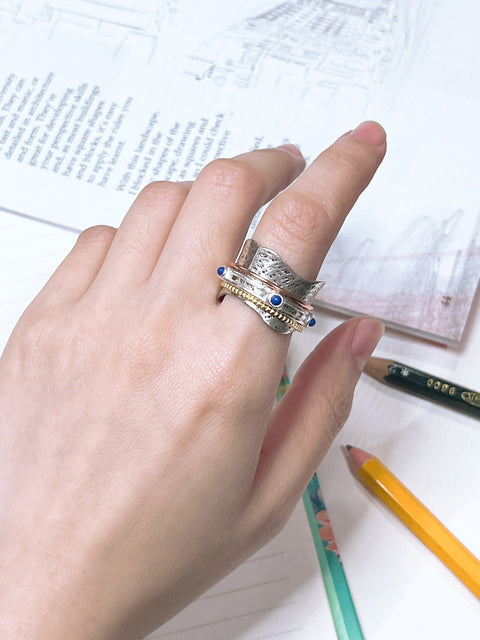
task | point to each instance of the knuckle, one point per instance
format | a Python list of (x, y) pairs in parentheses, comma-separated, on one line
[(133, 239), (162, 193), (99, 234), (231, 175), (49, 349), (297, 216), (156, 205), (32, 336)]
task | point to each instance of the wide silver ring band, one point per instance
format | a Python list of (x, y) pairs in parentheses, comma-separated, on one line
[(265, 282)]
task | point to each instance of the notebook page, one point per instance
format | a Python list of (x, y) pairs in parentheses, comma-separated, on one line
[(277, 594)]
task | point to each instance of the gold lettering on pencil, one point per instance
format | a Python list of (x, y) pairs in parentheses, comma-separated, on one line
[(437, 385), (430, 382), (471, 397), (445, 387), (451, 391)]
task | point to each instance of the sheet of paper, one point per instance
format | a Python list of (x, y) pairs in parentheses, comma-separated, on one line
[(278, 593), (97, 99)]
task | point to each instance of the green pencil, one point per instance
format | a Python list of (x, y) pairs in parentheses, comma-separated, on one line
[(343, 611)]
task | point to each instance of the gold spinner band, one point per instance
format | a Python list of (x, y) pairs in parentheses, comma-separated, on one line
[(248, 297)]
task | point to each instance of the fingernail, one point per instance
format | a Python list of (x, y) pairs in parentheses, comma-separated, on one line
[(365, 339), (370, 132), (292, 149)]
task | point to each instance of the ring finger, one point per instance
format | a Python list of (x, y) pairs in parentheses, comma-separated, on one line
[(219, 209), (301, 223)]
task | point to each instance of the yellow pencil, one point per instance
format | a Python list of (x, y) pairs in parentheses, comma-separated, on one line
[(416, 516)]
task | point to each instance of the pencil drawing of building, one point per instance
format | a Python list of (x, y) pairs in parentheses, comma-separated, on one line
[(115, 21), (325, 43)]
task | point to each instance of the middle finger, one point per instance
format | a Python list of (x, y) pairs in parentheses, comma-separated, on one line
[(216, 215)]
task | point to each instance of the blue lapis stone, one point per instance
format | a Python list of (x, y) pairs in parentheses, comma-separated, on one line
[(312, 322), (221, 271), (276, 300)]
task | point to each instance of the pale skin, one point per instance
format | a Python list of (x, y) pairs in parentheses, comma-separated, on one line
[(141, 461)]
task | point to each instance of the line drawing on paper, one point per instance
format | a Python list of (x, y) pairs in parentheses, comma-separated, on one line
[(119, 22), (318, 43), (425, 278)]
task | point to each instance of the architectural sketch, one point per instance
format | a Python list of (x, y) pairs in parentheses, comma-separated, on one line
[(319, 43), (426, 278), (118, 21)]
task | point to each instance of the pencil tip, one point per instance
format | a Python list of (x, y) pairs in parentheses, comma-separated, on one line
[(347, 455), (346, 451)]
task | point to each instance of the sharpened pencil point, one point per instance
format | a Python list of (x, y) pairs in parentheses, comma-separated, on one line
[(346, 453), (415, 515)]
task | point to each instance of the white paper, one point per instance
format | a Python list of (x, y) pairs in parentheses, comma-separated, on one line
[(278, 593), (400, 588)]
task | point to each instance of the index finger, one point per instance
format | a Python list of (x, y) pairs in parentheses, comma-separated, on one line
[(301, 223)]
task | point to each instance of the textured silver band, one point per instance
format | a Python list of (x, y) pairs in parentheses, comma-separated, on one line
[(271, 267), (264, 281)]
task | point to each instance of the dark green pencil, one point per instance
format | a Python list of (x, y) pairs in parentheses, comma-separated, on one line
[(425, 385)]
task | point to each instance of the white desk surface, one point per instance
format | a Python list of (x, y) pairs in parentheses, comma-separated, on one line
[(400, 589)]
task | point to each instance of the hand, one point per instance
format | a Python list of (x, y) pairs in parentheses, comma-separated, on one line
[(141, 462)]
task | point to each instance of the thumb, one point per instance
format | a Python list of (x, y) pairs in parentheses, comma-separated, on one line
[(312, 412)]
